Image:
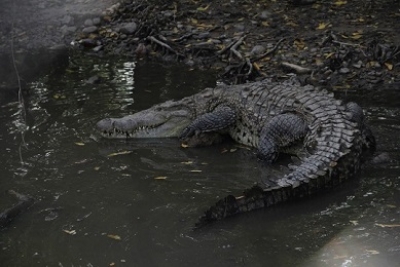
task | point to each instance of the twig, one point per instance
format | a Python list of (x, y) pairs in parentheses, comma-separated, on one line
[(348, 44), (268, 52), (183, 37), (162, 44), (297, 68), (226, 48), (236, 45), (229, 46), (250, 67)]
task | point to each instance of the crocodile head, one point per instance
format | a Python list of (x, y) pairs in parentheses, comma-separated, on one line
[(164, 120)]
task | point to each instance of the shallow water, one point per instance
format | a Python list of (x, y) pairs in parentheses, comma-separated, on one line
[(98, 208)]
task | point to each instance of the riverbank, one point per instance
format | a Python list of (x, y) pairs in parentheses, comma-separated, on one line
[(340, 44)]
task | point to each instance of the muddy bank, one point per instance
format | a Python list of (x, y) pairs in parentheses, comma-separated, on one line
[(340, 44), (37, 33)]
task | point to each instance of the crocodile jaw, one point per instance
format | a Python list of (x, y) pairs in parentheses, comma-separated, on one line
[(145, 124)]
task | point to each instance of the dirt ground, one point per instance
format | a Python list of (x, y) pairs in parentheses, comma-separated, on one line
[(342, 45), (338, 44)]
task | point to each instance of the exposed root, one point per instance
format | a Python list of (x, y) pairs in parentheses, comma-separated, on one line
[(164, 45), (270, 52)]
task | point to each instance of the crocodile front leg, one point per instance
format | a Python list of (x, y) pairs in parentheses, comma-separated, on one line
[(213, 122), (281, 131)]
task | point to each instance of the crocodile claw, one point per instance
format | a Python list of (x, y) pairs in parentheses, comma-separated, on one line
[(187, 133)]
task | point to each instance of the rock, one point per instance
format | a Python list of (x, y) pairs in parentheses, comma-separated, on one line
[(344, 70), (67, 20), (240, 26), (93, 80), (358, 64), (97, 48), (128, 28), (90, 29), (257, 50), (88, 23), (67, 29), (265, 15), (96, 21)]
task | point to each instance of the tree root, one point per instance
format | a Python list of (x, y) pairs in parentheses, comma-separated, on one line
[(165, 46), (247, 69)]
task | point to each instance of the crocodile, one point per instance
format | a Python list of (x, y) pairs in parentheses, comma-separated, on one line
[(329, 137)]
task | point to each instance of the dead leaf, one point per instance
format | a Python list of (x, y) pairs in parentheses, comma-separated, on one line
[(319, 62), (340, 3), (356, 35), (202, 9), (115, 237), (291, 24), (70, 232), (184, 145), (194, 21), (299, 44), (265, 23), (196, 171), (119, 153), (322, 26), (372, 64), (187, 162), (204, 26), (96, 168), (389, 66), (79, 143), (59, 96), (160, 178), (329, 55)]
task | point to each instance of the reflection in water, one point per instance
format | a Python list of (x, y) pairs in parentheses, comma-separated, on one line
[(99, 203)]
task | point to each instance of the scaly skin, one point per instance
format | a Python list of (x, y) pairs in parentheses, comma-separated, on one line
[(271, 117)]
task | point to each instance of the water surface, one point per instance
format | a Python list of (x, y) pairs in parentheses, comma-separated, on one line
[(101, 204)]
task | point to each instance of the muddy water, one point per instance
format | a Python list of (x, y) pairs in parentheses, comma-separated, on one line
[(98, 202)]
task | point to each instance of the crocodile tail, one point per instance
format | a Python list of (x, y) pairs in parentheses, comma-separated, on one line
[(252, 199)]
